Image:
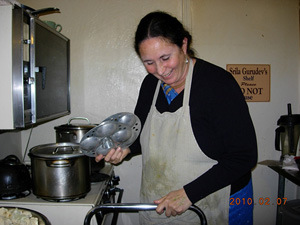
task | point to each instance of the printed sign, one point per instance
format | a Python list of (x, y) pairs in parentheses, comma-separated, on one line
[(254, 80)]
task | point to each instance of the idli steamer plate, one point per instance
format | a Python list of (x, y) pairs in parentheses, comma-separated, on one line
[(118, 130)]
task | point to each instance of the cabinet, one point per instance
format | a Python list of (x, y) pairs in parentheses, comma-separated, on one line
[(35, 70)]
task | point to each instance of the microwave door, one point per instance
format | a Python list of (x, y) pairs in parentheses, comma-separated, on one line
[(51, 67)]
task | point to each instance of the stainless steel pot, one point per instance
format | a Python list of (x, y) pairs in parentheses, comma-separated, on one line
[(60, 171), (73, 132)]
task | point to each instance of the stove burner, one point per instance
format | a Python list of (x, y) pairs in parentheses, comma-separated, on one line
[(98, 177), (15, 196), (64, 200)]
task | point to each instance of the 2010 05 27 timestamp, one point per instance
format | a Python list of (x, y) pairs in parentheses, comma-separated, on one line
[(260, 201)]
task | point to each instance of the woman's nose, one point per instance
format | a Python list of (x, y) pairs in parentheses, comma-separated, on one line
[(160, 69)]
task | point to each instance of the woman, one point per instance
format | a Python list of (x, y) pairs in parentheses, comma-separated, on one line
[(198, 142)]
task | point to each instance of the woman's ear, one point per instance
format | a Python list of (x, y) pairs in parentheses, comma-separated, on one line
[(184, 45)]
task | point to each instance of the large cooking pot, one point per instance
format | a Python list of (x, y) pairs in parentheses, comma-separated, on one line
[(14, 177), (73, 132), (60, 171)]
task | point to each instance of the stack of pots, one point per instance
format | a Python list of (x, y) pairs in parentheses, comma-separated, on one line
[(74, 132), (60, 171)]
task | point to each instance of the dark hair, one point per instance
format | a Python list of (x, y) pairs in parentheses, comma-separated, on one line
[(161, 24)]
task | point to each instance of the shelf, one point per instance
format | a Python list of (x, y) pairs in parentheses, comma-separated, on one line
[(291, 175)]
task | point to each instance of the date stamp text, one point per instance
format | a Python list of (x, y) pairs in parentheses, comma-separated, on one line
[(260, 201)]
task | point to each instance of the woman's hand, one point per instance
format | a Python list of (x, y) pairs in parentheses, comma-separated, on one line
[(174, 203), (114, 156)]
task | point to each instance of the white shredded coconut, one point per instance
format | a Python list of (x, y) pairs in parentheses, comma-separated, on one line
[(16, 216)]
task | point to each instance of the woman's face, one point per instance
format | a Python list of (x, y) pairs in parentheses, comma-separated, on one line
[(164, 60)]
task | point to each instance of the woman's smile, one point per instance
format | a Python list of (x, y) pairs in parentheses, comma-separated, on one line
[(168, 74)]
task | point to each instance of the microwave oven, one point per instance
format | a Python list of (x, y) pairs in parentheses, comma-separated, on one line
[(35, 62)]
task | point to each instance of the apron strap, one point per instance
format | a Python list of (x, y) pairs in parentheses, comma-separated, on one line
[(156, 92), (188, 84)]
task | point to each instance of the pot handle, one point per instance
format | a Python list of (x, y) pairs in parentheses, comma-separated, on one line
[(59, 163), (57, 149), (277, 137), (40, 12), (12, 160), (78, 118)]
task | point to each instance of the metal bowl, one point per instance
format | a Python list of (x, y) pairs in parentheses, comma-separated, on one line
[(122, 135), (42, 220), (128, 119), (90, 144), (106, 129)]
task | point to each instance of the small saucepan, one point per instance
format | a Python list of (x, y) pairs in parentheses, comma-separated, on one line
[(73, 132)]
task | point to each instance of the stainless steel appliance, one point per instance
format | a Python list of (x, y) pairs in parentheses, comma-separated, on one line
[(60, 171), (288, 133), (74, 212), (36, 69)]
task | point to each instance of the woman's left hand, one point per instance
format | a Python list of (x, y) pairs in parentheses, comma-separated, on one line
[(174, 203)]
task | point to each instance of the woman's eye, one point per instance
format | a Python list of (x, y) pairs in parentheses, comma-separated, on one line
[(149, 63), (165, 58)]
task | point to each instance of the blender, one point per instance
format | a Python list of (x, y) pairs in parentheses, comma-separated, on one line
[(288, 133)]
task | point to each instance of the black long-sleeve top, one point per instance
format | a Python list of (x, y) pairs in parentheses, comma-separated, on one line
[(221, 125)]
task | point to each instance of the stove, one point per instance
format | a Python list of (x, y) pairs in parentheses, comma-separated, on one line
[(72, 212), (15, 196)]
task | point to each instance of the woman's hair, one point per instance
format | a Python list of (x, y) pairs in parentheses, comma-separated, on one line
[(161, 24)]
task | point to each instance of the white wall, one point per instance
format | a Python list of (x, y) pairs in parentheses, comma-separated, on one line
[(256, 32), (106, 73)]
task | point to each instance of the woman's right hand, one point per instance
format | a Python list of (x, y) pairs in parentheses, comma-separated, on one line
[(114, 156)]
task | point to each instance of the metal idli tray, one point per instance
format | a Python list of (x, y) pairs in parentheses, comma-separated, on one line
[(120, 129)]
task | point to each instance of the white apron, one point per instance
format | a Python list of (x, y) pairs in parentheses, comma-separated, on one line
[(172, 158)]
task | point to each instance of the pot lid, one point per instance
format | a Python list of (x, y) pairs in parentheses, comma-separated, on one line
[(56, 151), (289, 120), (76, 126)]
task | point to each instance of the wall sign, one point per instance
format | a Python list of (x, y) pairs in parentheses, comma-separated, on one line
[(254, 80)]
